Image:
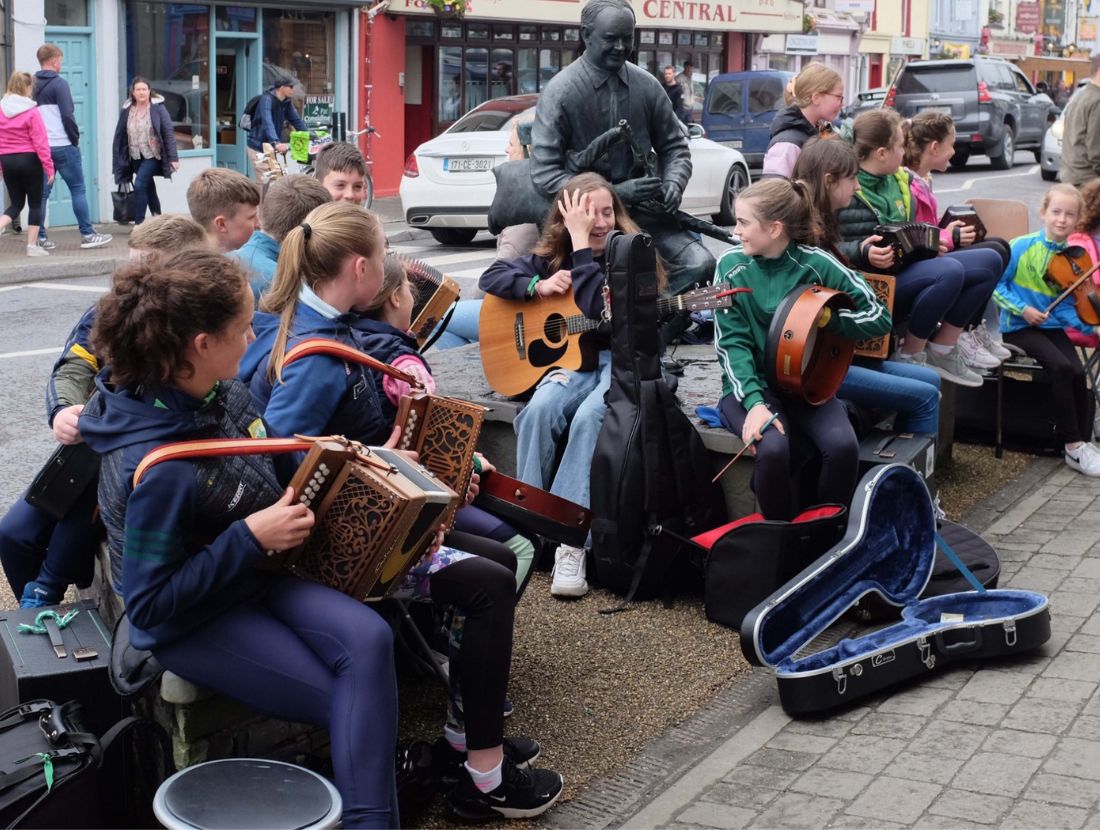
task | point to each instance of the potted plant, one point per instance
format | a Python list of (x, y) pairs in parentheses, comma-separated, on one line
[(996, 18), (448, 8)]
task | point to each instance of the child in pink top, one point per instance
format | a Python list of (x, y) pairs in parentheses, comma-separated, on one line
[(25, 156)]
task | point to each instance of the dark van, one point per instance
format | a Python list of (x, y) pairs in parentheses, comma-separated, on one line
[(739, 108)]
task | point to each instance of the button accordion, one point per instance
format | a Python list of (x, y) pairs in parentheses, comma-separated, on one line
[(910, 241), (968, 216), (376, 511), (434, 295), (443, 431)]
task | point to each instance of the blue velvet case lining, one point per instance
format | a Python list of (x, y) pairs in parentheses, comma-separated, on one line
[(890, 549)]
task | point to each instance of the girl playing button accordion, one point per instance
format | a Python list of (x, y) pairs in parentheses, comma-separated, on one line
[(777, 225), (330, 267), (172, 333)]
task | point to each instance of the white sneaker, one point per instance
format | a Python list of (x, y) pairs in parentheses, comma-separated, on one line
[(952, 367), (915, 359), (974, 354), (35, 250), (1085, 459), (991, 341), (568, 572), (95, 240)]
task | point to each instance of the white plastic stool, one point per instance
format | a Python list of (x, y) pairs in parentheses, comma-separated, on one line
[(247, 794)]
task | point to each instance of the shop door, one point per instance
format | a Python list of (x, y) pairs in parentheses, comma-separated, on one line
[(77, 67), (236, 80)]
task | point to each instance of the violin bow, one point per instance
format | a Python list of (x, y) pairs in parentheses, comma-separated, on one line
[(744, 449), (1077, 283)]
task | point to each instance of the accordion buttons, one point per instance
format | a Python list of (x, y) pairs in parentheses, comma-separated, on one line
[(324, 469)]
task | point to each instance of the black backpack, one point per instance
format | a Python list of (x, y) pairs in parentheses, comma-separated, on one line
[(249, 112), (650, 471)]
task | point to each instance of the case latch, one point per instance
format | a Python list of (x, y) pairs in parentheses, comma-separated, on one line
[(926, 655), (1010, 633), (841, 680)]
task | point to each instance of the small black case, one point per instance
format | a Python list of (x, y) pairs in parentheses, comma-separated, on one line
[(889, 548), (70, 471)]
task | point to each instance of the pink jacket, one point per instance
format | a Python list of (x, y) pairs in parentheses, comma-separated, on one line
[(22, 130), (927, 211)]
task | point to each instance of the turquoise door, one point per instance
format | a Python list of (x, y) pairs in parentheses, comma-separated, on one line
[(236, 79), (78, 68)]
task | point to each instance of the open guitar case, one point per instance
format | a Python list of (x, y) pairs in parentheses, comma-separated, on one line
[(889, 549)]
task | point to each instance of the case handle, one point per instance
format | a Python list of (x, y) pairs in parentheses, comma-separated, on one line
[(961, 647)]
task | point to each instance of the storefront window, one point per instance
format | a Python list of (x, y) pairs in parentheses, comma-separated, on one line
[(450, 93), (476, 70), (302, 45), (66, 12), (169, 43), (236, 18), (500, 77), (549, 64)]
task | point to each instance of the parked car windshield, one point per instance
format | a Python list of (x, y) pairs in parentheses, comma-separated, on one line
[(937, 79), (492, 116)]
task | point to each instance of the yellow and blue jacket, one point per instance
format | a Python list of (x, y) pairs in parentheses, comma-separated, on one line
[(1024, 284)]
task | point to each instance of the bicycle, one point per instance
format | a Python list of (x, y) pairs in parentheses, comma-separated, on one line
[(305, 145)]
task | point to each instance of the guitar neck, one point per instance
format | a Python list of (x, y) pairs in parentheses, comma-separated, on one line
[(578, 323)]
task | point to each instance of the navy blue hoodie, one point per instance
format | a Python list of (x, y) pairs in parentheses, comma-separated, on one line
[(318, 395), (387, 343), (181, 553)]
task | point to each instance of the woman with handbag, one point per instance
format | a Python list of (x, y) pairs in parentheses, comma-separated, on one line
[(25, 156), (144, 146)]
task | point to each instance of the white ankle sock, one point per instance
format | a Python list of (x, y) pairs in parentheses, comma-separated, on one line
[(455, 738), (486, 781), (939, 348)]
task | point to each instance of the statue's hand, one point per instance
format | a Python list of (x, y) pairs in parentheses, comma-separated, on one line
[(671, 197), (634, 191)]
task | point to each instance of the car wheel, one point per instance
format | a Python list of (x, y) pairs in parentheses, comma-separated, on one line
[(1008, 151), (736, 181), (453, 236), (1049, 175), (959, 160), (1039, 155)]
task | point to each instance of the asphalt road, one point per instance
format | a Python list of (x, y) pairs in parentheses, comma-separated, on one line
[(36, 317)]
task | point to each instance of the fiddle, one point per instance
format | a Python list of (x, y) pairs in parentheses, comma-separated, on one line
[(1070, 269)]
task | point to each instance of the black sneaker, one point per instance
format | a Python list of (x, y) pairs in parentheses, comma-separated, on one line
[(448, 761), (523, 793)]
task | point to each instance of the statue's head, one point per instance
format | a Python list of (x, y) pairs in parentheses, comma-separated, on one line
[(607, 29)]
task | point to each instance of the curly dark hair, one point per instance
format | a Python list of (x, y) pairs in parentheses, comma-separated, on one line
[(157, 306)]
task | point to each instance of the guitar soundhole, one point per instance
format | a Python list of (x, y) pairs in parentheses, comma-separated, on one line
[(554, 329)]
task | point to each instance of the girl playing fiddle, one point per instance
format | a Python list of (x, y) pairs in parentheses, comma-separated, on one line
[(1023, 295), (777, 225)]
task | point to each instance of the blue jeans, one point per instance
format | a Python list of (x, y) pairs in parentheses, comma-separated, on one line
[(563, 400), (462, 329), (911, 391), (306, 653), (145, 189), (67, 165)]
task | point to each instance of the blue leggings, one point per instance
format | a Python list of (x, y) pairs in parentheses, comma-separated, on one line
[(826, 426), (952, 288), (304, 652), (35, 547)]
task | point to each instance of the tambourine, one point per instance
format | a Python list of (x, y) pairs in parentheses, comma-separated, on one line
[(802, 358)]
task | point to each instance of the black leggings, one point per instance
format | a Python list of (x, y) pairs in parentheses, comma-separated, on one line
[(24, 178), (1072, 400), (483, 588)]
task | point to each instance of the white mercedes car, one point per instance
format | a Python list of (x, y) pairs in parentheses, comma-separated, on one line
[(448, 183)]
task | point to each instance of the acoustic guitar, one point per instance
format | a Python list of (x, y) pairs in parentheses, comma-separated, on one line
[(522, 340)]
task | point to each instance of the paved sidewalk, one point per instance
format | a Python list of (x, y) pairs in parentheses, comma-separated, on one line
[(1012, 743), (68, 259)]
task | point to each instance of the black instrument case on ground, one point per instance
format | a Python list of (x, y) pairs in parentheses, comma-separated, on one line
[(889, 548)]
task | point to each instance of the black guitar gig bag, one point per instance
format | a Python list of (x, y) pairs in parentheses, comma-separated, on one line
[(650, 472)]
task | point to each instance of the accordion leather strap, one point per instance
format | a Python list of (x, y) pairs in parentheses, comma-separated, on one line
[(216, 447), (321, 345)]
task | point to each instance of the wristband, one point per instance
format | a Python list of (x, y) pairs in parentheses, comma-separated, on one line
[(477, 465), (531, 285)]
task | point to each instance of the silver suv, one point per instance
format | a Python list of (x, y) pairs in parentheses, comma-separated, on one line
[(995, 108)]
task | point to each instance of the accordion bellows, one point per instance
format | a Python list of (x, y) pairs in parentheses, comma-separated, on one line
[(433, 295), (911, 241)]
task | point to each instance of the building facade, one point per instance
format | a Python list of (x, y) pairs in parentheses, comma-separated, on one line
[(448, 65), (205, 59)]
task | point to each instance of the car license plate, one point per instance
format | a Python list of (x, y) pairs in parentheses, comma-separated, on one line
[(735, 144), (944, 110), (467, 165)]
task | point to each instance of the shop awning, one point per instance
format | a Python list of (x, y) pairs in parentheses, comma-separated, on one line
[(1081, 67)]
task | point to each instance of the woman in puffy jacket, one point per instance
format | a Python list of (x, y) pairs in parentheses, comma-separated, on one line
[(25, 156), (144, 146), (814, 99)]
